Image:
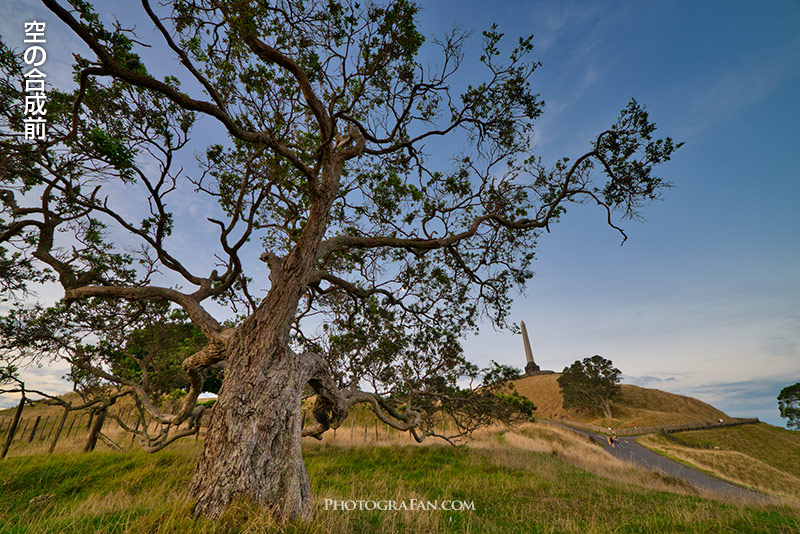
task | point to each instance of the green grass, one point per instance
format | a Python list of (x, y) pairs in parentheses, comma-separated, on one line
[(760, 456), (514, 490), (773, 445)]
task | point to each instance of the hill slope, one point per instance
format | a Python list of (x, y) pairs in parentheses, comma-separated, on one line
[(646, 407), (760, 456)]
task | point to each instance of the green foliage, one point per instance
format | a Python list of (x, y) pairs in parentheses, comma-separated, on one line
[(590, 384), (154, 354), (113, 150), (518, 403), (789, 405)]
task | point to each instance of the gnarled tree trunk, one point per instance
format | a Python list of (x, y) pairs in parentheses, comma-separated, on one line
[(253, 445), (252, 448)]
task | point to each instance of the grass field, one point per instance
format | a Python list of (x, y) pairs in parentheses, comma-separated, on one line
[(537, 479), (760, 456)]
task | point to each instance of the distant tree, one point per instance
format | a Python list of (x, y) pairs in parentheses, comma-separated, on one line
[(590, 384), (154, 354), (789, 405)]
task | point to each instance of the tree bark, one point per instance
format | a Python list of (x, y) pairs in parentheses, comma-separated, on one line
[(252, 448), (607, 408), (91, 443)]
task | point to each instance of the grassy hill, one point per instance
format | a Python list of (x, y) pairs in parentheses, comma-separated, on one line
[(760, 456), (646, 407), (535, 480)]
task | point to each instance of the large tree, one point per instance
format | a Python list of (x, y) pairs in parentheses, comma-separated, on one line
[(590, 384), (789, 405), (333, 175)]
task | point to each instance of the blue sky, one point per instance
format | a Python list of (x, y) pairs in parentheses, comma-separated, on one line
[(704, 298)]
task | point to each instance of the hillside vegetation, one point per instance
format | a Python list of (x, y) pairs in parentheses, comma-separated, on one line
[(645, 407), (535, 480), (760, 456)]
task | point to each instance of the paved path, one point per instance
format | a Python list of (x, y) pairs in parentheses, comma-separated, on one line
[(628, 450)]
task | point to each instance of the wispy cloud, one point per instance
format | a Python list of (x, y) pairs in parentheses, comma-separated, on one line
[(755, 397), (649, 381), (748, 82)]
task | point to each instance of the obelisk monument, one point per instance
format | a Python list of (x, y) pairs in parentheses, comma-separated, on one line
[(530, 368)]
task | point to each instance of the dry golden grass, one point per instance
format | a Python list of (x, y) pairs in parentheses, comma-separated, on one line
[(579, 452), (646, 407)]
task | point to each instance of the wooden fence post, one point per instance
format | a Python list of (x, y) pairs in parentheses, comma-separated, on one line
[(58, 432), (44, 427), (13, 428), (77, 416), (25, 426), (53, 427), (35, 426)]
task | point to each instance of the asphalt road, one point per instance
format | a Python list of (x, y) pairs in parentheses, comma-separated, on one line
[(628, 450)]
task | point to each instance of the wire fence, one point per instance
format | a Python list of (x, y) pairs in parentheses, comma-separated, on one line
[(77, 427), (663, 429)]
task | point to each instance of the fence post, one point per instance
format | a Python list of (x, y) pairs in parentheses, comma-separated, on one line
[(376, 430), (13, 428), (44, 427), (24, 427), (58, 432), (78, 416), (35, 426), (51, 428), (365, 430)]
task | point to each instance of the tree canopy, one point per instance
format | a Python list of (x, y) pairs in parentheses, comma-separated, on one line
[(351, 254), (789, 405), (590, 384)]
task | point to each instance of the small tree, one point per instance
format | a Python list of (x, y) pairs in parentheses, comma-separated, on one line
[(590, 384), (789, 405)]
